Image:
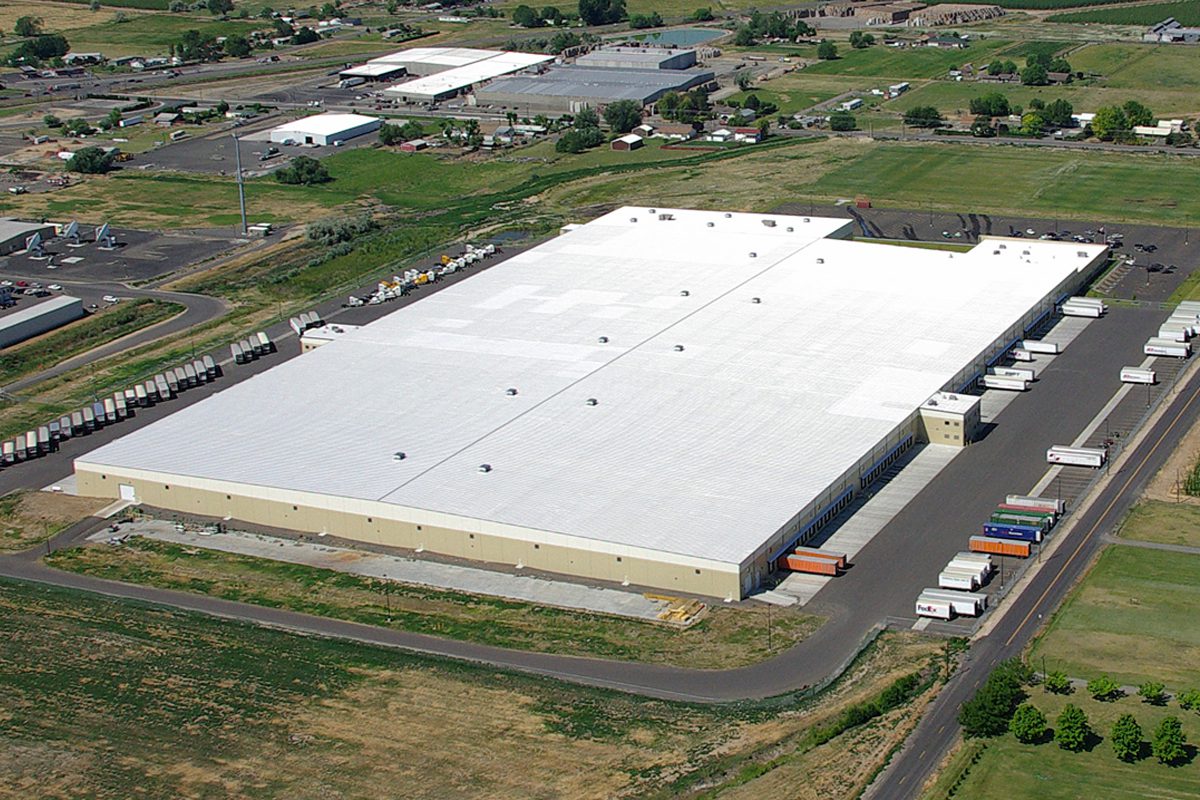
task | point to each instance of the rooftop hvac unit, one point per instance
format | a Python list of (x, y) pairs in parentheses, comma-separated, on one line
[(603, 340), (633, 219), (1082, 254), (753, 255), (591, 401), (485, 467), (399, 455), (652, 211), (806, 219), (820, 261), (511, 392), (770, 223), (755, 299), (665, 217), (1002, 246), (678, 348), (684, 293), (790, 229), (710, 224)]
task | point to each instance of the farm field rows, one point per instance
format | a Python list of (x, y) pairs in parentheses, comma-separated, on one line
[(1186, 11), (1140, 66), (954, 98)]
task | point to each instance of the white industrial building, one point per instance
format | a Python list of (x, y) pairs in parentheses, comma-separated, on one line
[(669, 398), (28, 321), (323, 129), (451, 82)]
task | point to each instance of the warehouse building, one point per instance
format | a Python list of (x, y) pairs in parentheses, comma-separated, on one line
[(28, 321), (638, 58), (14, 234), (423, 61), (374, 72), (571, 88), (456, 81), (323, 129), (659, 397)]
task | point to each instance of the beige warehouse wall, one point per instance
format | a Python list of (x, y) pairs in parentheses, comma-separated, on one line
[(449, 541)]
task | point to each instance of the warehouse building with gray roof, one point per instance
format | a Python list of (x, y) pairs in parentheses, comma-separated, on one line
[(569, 89)]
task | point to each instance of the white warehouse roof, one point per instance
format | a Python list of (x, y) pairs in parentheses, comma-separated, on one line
[(451, 81), (324, 125), (703, 452), (442, 57)]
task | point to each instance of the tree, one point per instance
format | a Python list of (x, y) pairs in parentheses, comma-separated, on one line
[(651, 20), (1137, 114), (303, 171), (623, 115), (1109, 123), (703, 15), (526, 17), (827, 51), (111, 120), (1168, 743), (1104, 688), (1072, 729), (860, 40), (1058, 113), (988, 713), (587, 118), (328, 11), (94, 5), (578, 140), (51, 121), (305, 35), (1059, 64), (1126, 738), (390, 134), (41, 48), (1057, 682), (982, 127), (1153, 692), (237, 46), (1189, 700), (992, 104), (1034, 75), (552, 15), (923, 117), (601, 12), (91, 161), (1032, 124), (1028, 724), (220, 7), (744, 36), (78, 127), (27, 26)]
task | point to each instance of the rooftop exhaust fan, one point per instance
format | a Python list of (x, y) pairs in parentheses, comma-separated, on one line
[(678, 348), (485, 467), (511, 392)]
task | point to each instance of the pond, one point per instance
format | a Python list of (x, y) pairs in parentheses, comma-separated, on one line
[(681, 37)]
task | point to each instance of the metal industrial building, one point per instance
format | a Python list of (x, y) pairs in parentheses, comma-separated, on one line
[(448, 83), (324, 129), (14, 234), (572, 88), (662, 397), (638, 58), (33, 320)]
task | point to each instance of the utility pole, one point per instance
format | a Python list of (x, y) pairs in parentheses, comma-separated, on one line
[(237, 152)]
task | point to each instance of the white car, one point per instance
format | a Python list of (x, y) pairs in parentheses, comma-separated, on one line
[(54, 287), (6, 283), (108, 298)]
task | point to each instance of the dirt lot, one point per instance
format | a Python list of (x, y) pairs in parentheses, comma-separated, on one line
[(28, 518)]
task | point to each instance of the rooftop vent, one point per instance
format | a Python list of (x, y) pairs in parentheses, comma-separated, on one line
[(684, 293), (790, 229), (755, 299), (770, 223), (728, 215), (806, 219), (603, 340), (591, 401), (1024, 252), (932, 402), (651, 210), (820, 261), (678, 348), (633, 219), (399, 455), (485, 467), (753, 255), (1002, 246), (710, 224), (1082, 254), (995, 252), (511, 392)]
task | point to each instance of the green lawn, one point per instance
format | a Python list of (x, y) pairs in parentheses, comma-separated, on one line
[(798, 91), (951, 97), (1133, 618), (909, 62), (1007, 769), (1186, 11), (1158, 521), (1157, 189)]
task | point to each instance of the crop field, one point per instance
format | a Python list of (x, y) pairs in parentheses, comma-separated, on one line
[(725, 638), (1004, 768), (1168, 523), (1044, 5), (1133, 618), (1141, 66), (954, 98), (1022, 50), (1186, 11), (107, 699), (911, 62), (147, 5)]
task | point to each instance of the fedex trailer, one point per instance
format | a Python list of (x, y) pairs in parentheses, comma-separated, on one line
[(1138, 375), (1076, 456)]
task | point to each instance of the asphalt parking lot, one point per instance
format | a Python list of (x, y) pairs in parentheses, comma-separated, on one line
[(138, 256)]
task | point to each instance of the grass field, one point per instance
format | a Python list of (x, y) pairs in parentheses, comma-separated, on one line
[(1022, 50), (106, 699), (56, 17), (149, 34), (726, 638), (1132, 618), (29, 518), (1186, 11), (1169, 523), (915, 62), (1140, 66), (1004, 768), (78, 337), (797, 91), (953, 97)]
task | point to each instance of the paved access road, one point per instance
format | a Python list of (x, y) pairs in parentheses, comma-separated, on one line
[(1024, 614)]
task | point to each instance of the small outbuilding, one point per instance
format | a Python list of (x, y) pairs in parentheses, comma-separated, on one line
[(630, 141)]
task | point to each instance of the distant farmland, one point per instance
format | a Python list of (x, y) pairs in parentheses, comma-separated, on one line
[(1042, 5), (1186, 11)]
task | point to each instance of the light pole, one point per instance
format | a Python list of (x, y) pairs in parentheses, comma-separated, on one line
[(237, 152)]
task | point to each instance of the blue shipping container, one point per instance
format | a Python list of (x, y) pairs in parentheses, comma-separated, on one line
[(1004, 530)]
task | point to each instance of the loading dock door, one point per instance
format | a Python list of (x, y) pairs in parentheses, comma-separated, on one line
[(127, 492)]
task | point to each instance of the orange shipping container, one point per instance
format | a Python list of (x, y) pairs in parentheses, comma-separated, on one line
[(813, 566), (1000, 547), (812, 552)]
